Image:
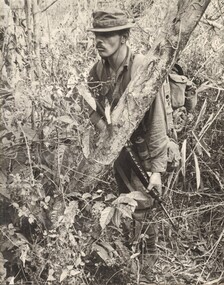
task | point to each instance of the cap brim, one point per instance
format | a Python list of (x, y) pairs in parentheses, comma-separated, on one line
[(112, 29)]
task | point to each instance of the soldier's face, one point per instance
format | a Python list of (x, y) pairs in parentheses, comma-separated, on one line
[(107, 43)]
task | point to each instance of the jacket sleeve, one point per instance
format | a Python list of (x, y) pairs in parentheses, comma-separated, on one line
[(156, 136)]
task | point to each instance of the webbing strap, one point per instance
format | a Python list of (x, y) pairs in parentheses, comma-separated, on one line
[(168, 106)]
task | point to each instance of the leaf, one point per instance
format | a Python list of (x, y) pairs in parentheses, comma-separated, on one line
[(31, 219), (72, 80), (197, 171), (30, 134), (207, 125), (109, 248), (74, 272), (116, 219), (72, 239), (203, 86), (125, 210), (23, 256), (202, 145), (78, 261), (86, 196), (137, 195), (47, 199), (70, 213), (50, 275), (110, 197), (102, 252), (201, 114), (84, 92), (97, 207), (64, 274), (20, 239), (124, 199), (66, 119), (135, 255), (183, 157), (106, 216), (11, 280), (59, 159)]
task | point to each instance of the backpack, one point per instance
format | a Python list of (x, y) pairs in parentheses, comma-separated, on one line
[(180, 99)]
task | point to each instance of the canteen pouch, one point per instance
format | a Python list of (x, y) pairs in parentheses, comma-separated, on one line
[(190, 97), (178, 85)]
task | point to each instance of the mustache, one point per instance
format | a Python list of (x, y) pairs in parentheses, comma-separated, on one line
[(99, 46)]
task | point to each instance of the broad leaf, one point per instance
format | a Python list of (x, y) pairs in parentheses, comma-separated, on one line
[(87, 96), (102, 252), (106, 216), (50, 275), (64, 274), (74, 272), (125, 210), (116, 219)]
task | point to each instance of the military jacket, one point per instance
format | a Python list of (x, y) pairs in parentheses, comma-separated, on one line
[(109, 88)]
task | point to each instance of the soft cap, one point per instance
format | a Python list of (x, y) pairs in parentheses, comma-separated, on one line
[(109, 20)]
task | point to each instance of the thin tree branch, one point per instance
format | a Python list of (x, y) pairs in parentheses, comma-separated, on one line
[(46, 8)]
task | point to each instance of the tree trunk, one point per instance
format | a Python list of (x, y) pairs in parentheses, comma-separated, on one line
[(181, 20), (28, 5), (36, 37)]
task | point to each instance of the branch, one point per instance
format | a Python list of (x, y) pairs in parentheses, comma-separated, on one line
[(46, 8), (212, 24)]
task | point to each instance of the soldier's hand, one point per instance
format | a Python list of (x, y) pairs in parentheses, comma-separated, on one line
[(155, 181)]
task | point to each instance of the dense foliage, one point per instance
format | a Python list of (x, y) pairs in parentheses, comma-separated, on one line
[(53, 233)]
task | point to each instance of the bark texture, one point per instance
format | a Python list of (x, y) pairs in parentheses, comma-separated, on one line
[(180, 22)]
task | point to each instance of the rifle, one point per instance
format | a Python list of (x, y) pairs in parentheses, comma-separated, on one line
[(144, 178)]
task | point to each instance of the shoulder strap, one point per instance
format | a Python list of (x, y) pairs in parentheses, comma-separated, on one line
[(167, 105)]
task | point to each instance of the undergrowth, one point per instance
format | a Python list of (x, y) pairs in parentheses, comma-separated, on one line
[(53, 233)]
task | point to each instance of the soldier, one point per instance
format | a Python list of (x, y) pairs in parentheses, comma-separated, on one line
[(108, 79)]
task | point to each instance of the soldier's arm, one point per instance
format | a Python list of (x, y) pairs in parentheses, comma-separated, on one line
[(156, 136)]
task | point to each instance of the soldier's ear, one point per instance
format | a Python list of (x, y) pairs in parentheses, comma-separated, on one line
[(123, 39)]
